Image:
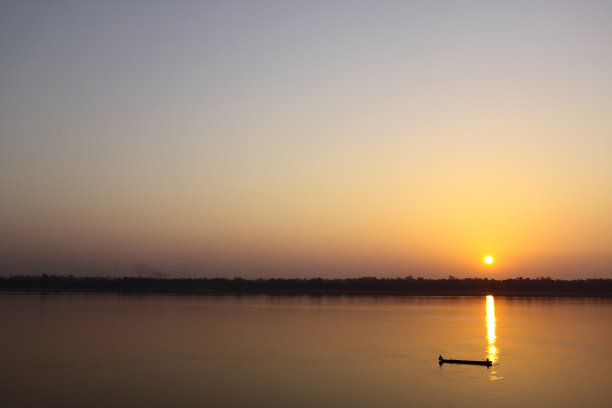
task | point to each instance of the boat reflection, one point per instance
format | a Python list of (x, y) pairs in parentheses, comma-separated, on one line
[(492, 352)]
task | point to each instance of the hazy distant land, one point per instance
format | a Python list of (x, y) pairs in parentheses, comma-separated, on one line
[(316, 286)]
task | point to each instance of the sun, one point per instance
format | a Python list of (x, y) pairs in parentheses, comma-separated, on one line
[(488, 259)]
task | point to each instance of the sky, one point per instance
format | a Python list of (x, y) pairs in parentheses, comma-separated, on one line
[(306, 138)]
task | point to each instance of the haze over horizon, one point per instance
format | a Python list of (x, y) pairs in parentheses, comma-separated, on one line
[(306, 139)]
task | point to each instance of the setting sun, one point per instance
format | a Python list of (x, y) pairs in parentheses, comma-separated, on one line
[(488, 259)]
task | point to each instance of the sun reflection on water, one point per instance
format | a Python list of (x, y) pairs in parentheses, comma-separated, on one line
[(492, 352)]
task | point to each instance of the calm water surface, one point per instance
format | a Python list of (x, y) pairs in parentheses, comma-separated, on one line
[(262, 351)]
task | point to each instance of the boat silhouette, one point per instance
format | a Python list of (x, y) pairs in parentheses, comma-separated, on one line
[(486, 362)]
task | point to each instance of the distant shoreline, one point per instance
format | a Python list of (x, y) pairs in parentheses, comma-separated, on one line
[(367, 286), (312, 294)]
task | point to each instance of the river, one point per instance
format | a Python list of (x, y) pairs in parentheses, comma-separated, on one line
[(111, 350)]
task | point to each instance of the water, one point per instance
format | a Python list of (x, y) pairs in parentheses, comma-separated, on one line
[(261, 351)]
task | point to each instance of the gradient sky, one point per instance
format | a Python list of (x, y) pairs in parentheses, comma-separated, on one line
[(303, 139)]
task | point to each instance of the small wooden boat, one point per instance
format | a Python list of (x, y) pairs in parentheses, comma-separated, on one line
[(486, 362)]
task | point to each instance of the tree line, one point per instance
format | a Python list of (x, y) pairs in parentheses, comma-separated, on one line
[(542, 286)]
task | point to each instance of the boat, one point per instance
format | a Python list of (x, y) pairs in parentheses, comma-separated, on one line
[(486, 362)]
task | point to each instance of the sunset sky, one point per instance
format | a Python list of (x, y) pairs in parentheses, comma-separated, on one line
[(306, 139)]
